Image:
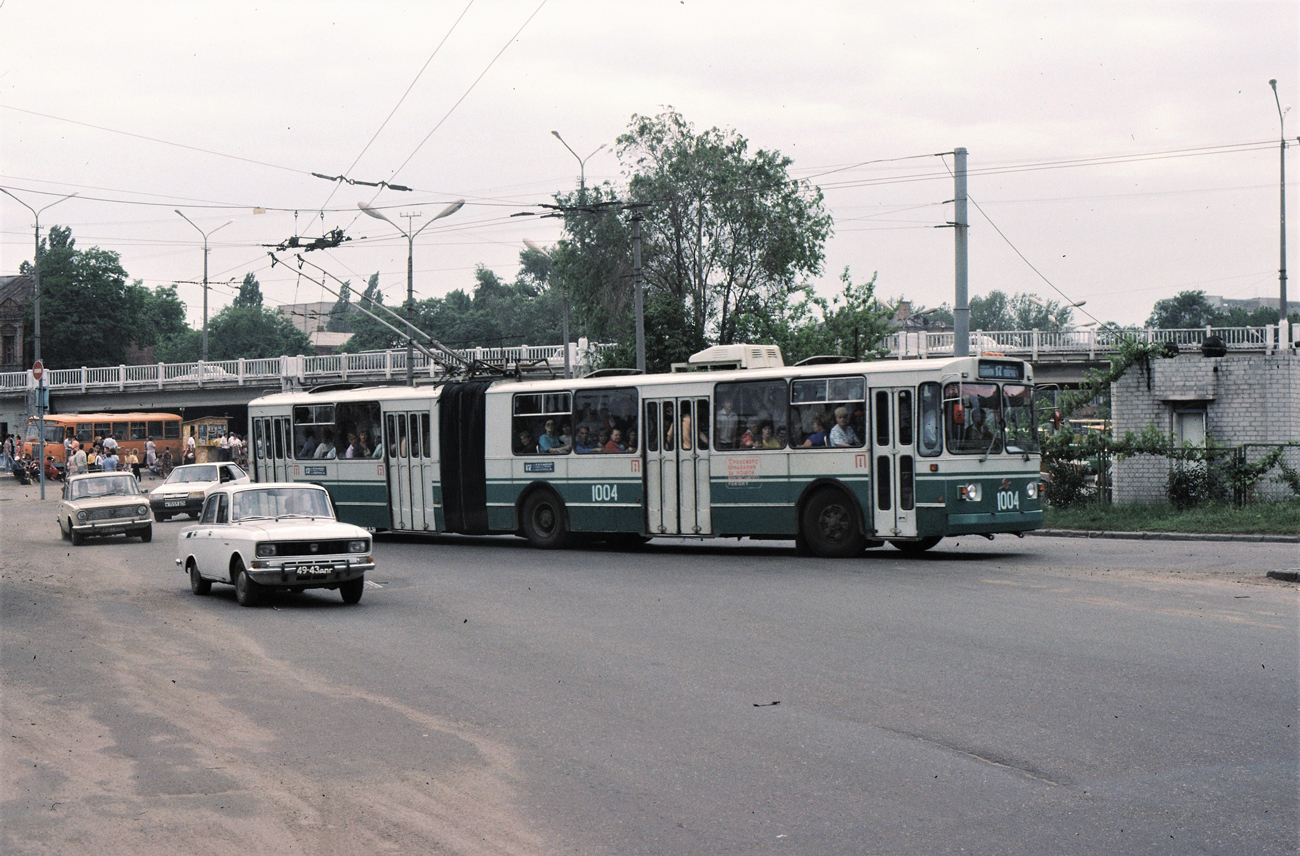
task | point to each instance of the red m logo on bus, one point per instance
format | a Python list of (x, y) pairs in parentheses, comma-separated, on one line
[(860, 462), (636, 465)]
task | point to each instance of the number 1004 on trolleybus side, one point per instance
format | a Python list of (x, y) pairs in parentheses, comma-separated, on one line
[(839, 457)]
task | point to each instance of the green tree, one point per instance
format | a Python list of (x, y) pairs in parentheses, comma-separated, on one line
[(162, 316), (250, 292), (1184, 310), (728, 238), (89, 313), (341, 311), (252, 332)]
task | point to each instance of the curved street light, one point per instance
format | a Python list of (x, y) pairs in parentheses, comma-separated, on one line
[(582, 166), (205, 273), (36, 316), (410, 270)]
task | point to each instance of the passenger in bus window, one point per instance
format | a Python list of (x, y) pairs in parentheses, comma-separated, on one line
[(818, 437), (631, 439), (309, 444), (550, 442), (326, 447), (843, 434), (524, 443), (566, 436), (615, 443), (354, 446), (602, 440), (364, 447), (583, 443), (727, 421), (768, 440)]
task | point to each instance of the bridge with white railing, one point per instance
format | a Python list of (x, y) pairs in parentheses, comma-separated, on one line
[(1058, 357)]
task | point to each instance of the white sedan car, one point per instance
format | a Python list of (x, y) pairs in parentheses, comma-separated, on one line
[(104, 504), (273, 536), (187, 485)]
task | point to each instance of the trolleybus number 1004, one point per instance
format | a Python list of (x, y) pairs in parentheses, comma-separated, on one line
[(604, 493), (1008, 500)]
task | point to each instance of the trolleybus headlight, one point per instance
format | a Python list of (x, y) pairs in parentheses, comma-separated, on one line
[(265, 550), (971, 492), (357, 546), (1031, 490)]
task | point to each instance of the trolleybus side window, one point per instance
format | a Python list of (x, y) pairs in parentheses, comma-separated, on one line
[(702, 428), (390, 436), (602, 412), (752, 415), (904, 417), (931, 409), (1022, 429), (313, 425), (532, 413), (668, 426), (424, 435), (973, 418), (652, 426), (831, 411)]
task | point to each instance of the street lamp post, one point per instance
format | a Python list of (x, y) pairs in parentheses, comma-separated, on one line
[(564, 307), (205, 274), (36, 321), (1281, 277), (582, 166), (410, 272)]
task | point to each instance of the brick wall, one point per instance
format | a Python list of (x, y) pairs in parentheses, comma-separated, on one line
[(1250, 398)]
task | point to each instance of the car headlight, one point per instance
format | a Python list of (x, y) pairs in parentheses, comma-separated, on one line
[(81, 515), (358, 546), (971, 492), (1031, 490), (142, 510), (196, 494), (265, 550)]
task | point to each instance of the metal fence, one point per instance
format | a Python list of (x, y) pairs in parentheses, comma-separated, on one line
[(1033, 344)]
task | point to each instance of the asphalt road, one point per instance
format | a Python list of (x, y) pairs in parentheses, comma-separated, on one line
[(1016, 697)]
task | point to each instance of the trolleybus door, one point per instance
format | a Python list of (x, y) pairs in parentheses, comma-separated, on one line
[(271, 449), (677, 467), (406, 438), (894, 462)]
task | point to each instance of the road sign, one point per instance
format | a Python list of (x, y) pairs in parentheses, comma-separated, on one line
[(38, 369)]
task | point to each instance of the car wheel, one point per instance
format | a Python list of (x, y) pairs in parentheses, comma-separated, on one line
[(247, 592), (146, 534), (830, 525), (544, 520), (352, 589), (77, 538), (198, 585), (65, 535), (918, 546), (161, 517)]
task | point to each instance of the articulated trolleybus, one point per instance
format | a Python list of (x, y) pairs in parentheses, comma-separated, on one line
[(840, 457)]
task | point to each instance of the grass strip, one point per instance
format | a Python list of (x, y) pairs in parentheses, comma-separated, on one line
[(1273, 518)]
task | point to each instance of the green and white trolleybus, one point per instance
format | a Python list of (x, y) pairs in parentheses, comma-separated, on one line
[(839, 456)]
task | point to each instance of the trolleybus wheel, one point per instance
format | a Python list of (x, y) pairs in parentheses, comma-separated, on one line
[(830, 525), (920, 545), (544, 520)]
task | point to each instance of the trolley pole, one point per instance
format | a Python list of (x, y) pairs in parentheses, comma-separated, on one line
[(638, 291), (961, 305)]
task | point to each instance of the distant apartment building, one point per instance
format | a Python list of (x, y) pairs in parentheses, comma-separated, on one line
[(311, 318)]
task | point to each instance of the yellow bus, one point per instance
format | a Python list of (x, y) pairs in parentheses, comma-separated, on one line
[(130, 430)]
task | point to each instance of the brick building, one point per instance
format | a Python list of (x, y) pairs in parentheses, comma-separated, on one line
[(1235, 399)]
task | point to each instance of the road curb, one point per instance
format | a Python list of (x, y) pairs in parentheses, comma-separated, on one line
[(1166, 536), (1292, 576)]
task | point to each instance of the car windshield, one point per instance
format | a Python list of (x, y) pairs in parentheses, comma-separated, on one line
[(185, 475), (276, 502), (123, 485)]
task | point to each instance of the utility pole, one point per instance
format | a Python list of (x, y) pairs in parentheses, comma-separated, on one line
[(961, 305), (205, 274), (638, 291), (1281, 276)]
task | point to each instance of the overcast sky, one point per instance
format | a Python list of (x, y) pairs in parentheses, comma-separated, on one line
[(223, 108)]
